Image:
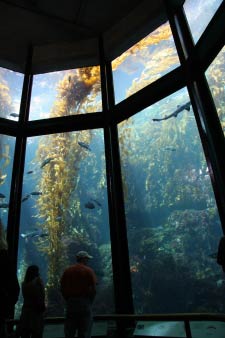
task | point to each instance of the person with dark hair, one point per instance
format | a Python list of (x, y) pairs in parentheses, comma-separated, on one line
[(9, 285), (78, 287), (31, 324)]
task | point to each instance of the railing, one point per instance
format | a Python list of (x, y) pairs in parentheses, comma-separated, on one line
[(124, 322)]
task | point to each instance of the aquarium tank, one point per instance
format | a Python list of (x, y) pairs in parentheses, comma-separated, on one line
[(149, 132)]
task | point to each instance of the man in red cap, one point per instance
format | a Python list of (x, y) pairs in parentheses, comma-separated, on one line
[(78, 287)]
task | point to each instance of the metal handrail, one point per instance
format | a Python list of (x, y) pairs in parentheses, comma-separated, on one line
[(150, 317)]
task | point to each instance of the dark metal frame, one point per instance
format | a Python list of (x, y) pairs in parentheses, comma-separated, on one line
[(188, 74)]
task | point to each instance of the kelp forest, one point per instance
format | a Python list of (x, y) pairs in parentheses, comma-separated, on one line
[(173, 226)]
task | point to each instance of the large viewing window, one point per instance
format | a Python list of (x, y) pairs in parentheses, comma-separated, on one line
[(199, 13), (172, 219), (11, 84), (64, 210), (63, 93), (7, 148), (144, 63), (216, 78)]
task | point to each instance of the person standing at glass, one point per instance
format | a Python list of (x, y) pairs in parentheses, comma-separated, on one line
[(31, 324), (78, 288), (9, 285)]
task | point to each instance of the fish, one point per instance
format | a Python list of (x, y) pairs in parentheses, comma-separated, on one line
[(46, 161), (14, 115), (96, 202), (25, 198), (29, 172), (2, 178), (89, 205), (34, 233), (36, 193), (84, 145), (2, 195), (4, 205), (170, 148), (179, 109)]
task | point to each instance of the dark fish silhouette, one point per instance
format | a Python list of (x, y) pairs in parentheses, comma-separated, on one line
[(96, 202), (36, 193), (29, 172), (84, 145), (2, 195), (170, 148), (25, 198), (4, 205), (179, 109), (89, 205), (46, 161), (14, 115)]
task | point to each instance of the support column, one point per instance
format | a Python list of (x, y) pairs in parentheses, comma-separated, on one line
[(18, 165), (117, 218)]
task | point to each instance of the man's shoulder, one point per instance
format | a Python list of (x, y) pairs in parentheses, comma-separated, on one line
[(70, 268), (78, 267)]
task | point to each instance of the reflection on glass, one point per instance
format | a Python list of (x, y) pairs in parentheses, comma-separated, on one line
[(172, 218), (199, 13), (64, 93), (64, 210), (205, 328), (216, 78), (160, 329), (145, 62), (7, 148), (11, 84)]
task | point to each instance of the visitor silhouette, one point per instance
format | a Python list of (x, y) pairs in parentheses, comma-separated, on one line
[(78, 287), (31, 324)]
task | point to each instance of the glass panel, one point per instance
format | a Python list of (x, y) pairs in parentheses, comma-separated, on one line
[(160, 329), (7, 148), (216, 78), (64, 209), (202, 329), (145, 62), (199, 13), (172, 218), (64, 93), (11, 84)]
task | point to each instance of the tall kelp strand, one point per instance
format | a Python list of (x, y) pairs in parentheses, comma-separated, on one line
[(59, 156), (5, 109), (5, 98)]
